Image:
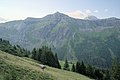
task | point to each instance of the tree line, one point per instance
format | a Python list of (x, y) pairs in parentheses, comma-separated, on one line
[(47, 57), (44, 55), (15, 50), (112, 73)]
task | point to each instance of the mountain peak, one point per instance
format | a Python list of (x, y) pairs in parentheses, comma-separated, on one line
[(56, 16), (91, 18), (59, 14)]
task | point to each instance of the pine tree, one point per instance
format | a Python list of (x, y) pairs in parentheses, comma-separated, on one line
[(38, 55), (50, 59), (66, 65), (34, 53), (78, 67), (73, 68), (107, 76), (57, 61), (115, 70), (83, 68), (44, 55), (118, 72), (98, 74), (0, 39), (90, 71)]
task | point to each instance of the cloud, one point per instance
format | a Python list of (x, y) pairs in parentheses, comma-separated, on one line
[(96, 11), (106, 10), (79, 14), (88, 11)]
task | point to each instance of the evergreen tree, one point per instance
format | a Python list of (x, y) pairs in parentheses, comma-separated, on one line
[(39, 53), (73, 68), (34, 52), (48, 58), (78, 67), (57, 61), (83, 68), (115, 70), (0, 39), (15, 47), (43, 58), (90, 71), (98, 74), (118, 72), (15, 50), (26, 53), (66, 65), (107, 76)]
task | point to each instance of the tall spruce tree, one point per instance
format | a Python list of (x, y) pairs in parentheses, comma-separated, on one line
[(83, 68), (118, 72), (78, 67), (43, 59), (34, 53), (39, 52), (57, 61), (98, 74), (73, 68), (90, 71), (50, 59), (107, 76), (115, 70), (66, 65)]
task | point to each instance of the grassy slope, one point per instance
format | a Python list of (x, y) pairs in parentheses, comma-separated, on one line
[(28, 69), (62, 64)]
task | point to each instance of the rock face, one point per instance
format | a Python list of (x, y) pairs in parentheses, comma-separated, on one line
[(93, 41)]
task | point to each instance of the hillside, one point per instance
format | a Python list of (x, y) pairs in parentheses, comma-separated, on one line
[(22, 68), (92, 41)]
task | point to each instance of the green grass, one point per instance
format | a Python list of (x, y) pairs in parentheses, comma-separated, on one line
[(63, 62), (18, 68)]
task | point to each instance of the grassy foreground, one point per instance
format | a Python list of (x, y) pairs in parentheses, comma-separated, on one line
[(18, 68)]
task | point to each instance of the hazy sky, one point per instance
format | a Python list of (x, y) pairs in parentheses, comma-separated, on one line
[(20, 9)]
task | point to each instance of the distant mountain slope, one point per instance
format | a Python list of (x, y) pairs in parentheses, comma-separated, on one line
[(18, 68), (92, 41)]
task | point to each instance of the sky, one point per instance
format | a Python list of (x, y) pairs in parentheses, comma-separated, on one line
[(21, 9)]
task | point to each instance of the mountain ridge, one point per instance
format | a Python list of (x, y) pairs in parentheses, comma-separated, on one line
[(65, 15), (74, 39)]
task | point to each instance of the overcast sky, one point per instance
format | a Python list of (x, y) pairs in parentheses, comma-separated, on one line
[(21, 9)]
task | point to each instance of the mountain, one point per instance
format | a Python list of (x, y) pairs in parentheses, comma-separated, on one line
[(91, 18), (2, 20), (93, 41), (22, 68)]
